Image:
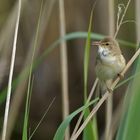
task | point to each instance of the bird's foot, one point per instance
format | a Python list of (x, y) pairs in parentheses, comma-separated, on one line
[(109, 90), (121, 76)]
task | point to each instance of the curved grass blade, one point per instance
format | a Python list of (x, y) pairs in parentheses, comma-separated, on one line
[(30, 85), (67, 37), (59, 135), (90, 131)]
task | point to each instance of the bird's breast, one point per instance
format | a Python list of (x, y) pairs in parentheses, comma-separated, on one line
[(108, 67)]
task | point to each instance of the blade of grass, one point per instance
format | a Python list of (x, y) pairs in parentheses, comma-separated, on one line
[(25, 126), (27, 108), (90, 131), (70, 36), (59, 135), (6, 115), (43, 117), (129, 128), (78, 35), (131, 101), (17, 98), (87, 55)]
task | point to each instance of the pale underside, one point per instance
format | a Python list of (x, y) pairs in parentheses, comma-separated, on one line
[(108, 66)]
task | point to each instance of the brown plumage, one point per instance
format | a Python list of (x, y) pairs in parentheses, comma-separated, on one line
[(111, 44)]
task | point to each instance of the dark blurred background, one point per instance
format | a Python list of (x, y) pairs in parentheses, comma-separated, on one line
[(47, 76)]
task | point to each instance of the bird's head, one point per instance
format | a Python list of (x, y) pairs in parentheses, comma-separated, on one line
[(108, 46)]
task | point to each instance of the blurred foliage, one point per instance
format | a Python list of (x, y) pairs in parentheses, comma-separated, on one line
[(129, 128)]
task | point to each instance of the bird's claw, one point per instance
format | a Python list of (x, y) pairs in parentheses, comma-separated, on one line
[(121, 76), (110, 90)]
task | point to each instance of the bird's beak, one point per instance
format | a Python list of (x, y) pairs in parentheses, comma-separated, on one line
[(96, 43)]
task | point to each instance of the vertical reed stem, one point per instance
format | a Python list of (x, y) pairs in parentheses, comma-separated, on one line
[(64, 66), (137, 7), (109, 101), (6, 115)]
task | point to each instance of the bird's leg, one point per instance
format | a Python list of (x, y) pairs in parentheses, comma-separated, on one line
[(98, 91), (109, 90), (108, 86)]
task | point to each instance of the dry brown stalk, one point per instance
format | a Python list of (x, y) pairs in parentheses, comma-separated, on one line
[(121, 20), (82, 114), (109, 102), (64, 66)]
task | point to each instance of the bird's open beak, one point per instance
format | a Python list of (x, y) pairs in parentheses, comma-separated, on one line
[(96, 43)]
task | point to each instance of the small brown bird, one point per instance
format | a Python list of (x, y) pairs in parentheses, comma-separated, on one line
[(110, 61)]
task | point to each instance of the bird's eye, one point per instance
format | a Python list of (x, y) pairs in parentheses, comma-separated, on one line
[(107, 44)]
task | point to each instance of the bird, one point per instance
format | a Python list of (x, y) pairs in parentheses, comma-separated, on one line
[(110, 62)]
